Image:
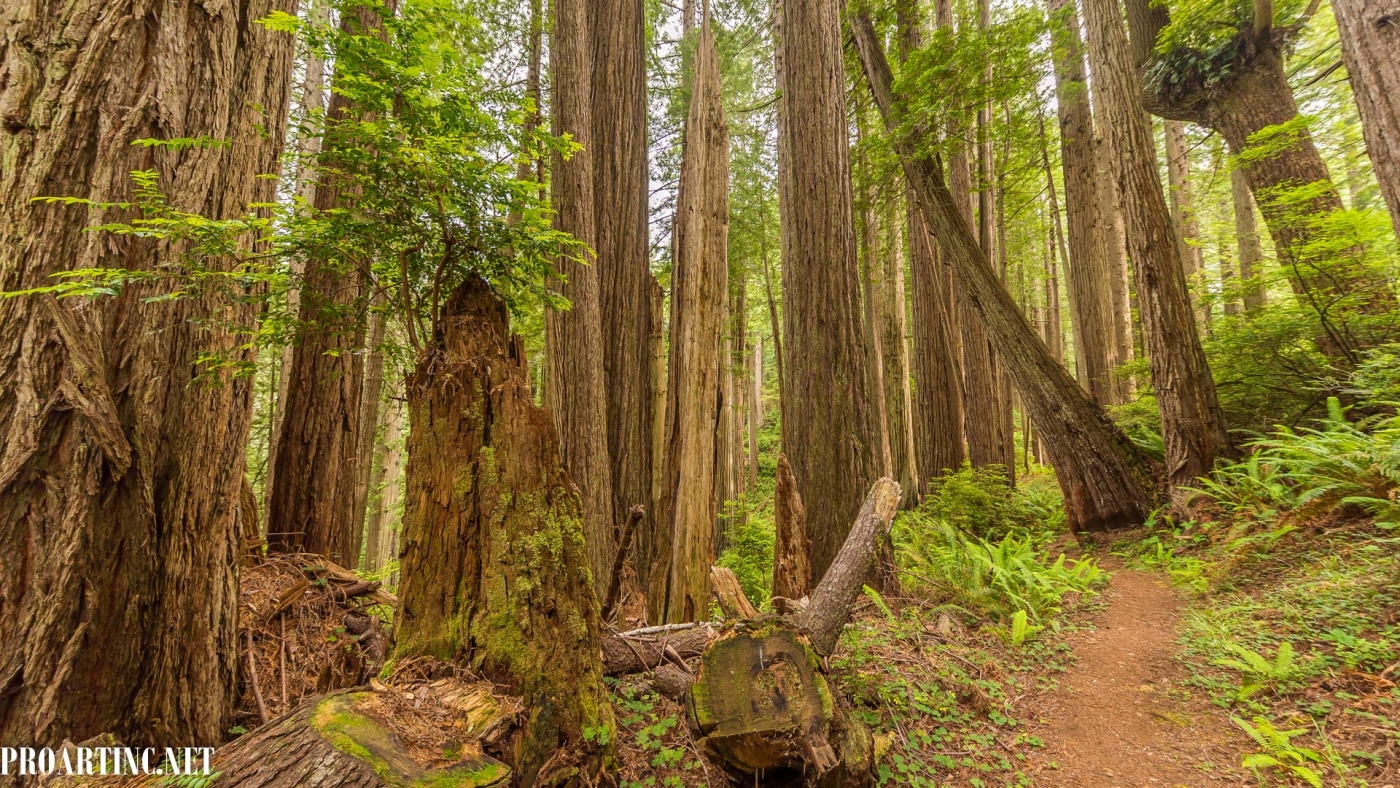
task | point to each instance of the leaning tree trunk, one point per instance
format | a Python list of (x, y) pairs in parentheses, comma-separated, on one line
[(121, 471), (495, 561), (1106, 480), (935, 357), (312, 507), (829, 428), (1370, 38), (620, 190), (1091, 307), (682, 591), (1193, 426), (576, 384)]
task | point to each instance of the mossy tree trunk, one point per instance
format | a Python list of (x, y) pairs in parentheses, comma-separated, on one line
[(494, 558)]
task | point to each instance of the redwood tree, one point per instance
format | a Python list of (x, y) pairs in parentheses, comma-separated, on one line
[(1370, 38), (575, 384), (1193, 427), (829, 434), (121, 473)]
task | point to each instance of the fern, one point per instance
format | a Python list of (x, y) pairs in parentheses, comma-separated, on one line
[(1278, 751)]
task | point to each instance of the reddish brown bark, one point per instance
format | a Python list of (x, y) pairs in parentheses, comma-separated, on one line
[(120, 473), (1370, 37), (829, 434)]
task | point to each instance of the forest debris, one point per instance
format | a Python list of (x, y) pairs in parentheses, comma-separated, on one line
[(730, 594), (672, 682), (615, 583), (644, 649), (792, 570), (309, 623)]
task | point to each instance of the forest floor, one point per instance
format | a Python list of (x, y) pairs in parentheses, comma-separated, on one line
[(1121, 716)]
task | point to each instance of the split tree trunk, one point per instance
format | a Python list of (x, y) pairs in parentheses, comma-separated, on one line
[(121, 470), (682, 592), (829, 433), (1091, 306), (792, 567), (1370, 37), (1106, 480), (495, 558), (576, 386), (620, 207), (936, 357), (1193, 427)]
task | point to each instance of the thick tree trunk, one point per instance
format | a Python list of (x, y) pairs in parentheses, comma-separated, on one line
[(936, 360), (698, 294), (576, 386), (1106, 480), (829, 430), (620, 207), (1193, 427), (1250, 250), (1184, 225), (495, 557), (121, 470), (1255, 98), (1091, 297), (312, 508), (792, 568), (1370, 38)]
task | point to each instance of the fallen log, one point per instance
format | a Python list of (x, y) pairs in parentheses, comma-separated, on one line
[(645, 649), (761, 705)]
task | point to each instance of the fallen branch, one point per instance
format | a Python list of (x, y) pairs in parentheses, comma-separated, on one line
[(253, 677)]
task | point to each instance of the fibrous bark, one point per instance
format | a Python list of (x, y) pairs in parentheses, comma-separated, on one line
[(1370, 36), (829, 432), (1184, 224), (682, 592), (620, 189), (1193, 427), (935, 357), (1091, 307), (312, 507), (1106, 481), (121, 467), (792, 568), (576, 386), (494, 553)]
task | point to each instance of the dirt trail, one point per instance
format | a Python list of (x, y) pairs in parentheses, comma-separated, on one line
[(1119, 718)]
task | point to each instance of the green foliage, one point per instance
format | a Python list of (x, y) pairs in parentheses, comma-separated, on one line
[(995, 579), (1279, 751), (978, 501), (749, 552), (1260, 672)]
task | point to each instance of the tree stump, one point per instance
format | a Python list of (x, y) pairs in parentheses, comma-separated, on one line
[(761, 704), (330, 742)]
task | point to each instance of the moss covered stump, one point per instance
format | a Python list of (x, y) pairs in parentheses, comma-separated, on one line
[(331, 742)]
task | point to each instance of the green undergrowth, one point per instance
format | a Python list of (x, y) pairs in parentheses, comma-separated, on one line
[(1293, 570)]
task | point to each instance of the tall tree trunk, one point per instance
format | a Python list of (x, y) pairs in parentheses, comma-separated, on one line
[(1091, 297), (1251, 251), (379, 546), (872, 299), (936, 361), (1055, 250), (313, 101), (312, 508), (698, 295), (369, 418), (496, 572), (1106, 480), (895, 349), (1255, 97), (620, 200), (1113, 238), (648, 539), (1370, 38), (724, 434), (1193, 427), (576, 386), (121, 473), (830, 434), (1186, 228), (755, 406)]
